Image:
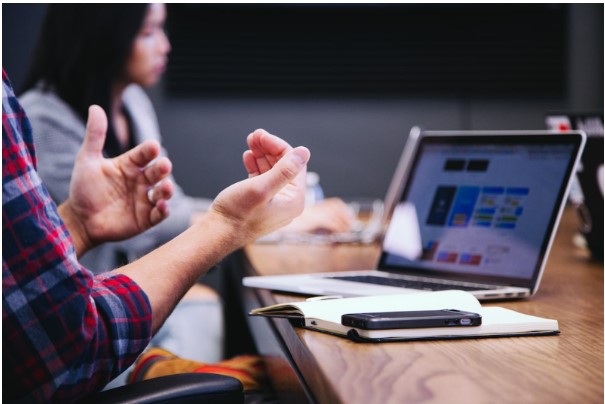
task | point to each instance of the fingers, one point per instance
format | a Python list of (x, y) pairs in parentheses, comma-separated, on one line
[(265, 143), (266, 149), (143, 154), (328, 216), (250, 164), (286, 170), (96, 130), (158, 170), (138, 157), (342, 221), (158, 197), (338, 214), (159, 212), (162, 191)]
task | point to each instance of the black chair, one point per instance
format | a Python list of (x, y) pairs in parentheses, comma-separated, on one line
[(178, 388)]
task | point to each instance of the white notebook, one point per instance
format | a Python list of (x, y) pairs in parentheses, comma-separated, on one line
[(325, 315)]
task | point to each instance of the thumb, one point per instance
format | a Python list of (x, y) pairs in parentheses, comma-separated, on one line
[(286, 170), (96, 130)]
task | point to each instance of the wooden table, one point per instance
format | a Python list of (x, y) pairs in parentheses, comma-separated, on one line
[(308, 366)]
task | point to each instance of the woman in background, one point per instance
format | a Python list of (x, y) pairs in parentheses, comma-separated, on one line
[(105, 54)]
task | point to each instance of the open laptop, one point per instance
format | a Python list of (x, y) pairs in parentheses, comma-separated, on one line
[(475, 211)]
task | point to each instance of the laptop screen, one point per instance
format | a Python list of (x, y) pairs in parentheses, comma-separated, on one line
[(480, 206)]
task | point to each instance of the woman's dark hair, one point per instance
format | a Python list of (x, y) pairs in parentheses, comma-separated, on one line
[(82, 50)]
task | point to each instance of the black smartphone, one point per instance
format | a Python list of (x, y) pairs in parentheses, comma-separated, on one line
[(411, 319)]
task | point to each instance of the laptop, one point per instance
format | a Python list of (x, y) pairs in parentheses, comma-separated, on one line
[(586, 191), (468, 210)]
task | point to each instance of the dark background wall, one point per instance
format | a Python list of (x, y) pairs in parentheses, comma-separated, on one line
[(355, 136)]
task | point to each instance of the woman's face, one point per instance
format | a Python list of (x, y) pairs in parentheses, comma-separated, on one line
[(149, 54)]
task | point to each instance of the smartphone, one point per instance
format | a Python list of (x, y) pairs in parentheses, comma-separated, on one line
[(411, 319)]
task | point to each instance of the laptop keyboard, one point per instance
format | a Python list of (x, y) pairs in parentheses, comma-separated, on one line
[(407, 283)]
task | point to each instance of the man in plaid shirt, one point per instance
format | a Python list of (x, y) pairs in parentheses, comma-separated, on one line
[(67, 333)]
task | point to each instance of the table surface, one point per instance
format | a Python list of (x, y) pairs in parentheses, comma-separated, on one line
[(563, 368)]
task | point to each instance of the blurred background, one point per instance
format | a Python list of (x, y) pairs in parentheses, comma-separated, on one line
[(349, 81)]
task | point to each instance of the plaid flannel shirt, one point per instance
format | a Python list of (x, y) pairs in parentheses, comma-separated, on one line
[(65, 332)]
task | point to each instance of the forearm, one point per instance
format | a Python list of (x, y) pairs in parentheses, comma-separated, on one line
[(168, 272), (239, 214)]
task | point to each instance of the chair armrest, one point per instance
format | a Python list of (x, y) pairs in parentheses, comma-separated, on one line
[(181, 388)]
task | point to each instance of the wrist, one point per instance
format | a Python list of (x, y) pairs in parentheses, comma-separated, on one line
[(230, 231), (76, 228)]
